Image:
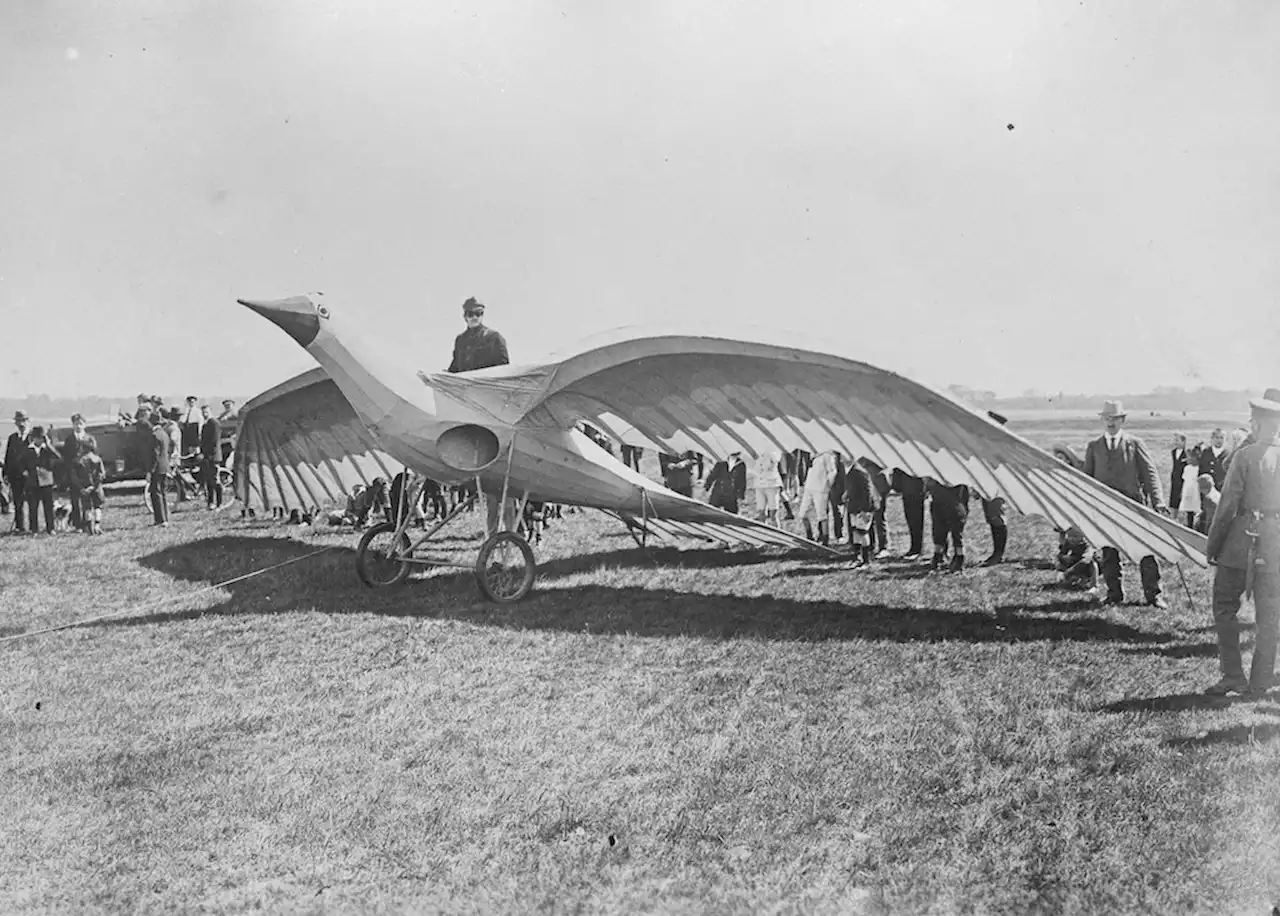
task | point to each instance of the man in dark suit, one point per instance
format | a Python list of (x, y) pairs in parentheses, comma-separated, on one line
[(14, 472), (477, 347), (210, 456), (912, 490), (948, 511), (879, 529), (993, 510), (72, 448), (738, 475), (153, 452), (1213, 460), (1122, 462), (677, 472), (1179, 456)]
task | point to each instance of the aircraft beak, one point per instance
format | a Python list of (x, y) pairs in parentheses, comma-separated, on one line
[(297, 316)]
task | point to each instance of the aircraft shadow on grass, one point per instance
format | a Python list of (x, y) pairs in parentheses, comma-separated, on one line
[(1186, 702), (328, 584), (1236, 734)]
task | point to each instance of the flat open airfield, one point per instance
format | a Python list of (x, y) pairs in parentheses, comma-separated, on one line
[(679, 730)]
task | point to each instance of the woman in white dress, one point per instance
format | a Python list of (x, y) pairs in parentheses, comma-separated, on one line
[(1189, 502)]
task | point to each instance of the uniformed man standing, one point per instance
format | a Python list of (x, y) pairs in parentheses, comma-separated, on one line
[(1244, 545), (477, 347)]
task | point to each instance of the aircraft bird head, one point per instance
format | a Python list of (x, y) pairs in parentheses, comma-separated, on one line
[(298, 316)]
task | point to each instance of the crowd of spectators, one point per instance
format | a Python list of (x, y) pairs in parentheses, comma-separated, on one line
[(177, 449)]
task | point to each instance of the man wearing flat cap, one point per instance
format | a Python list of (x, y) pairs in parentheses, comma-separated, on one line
[(73, 447), (1122, 462), (477, 347), (1244, 546)]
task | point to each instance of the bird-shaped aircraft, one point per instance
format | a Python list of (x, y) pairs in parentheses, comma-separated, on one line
[(514, 430)]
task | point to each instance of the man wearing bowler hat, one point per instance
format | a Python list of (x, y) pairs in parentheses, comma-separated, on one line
[(477, 347), (14, 472), (1122, 462), (1244, 546)]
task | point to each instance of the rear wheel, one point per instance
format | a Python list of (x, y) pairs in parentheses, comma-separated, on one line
[(380, 561), (505, 568)]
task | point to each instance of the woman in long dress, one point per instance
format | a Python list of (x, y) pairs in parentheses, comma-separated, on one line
[(1189, 500)]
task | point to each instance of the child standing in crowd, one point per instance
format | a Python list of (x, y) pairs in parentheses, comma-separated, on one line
[(860, 498), (38, 463), (89, 472)]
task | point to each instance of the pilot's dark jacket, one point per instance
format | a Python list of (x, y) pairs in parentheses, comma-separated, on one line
[(478, 348)]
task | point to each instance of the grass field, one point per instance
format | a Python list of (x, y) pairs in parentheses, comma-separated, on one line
[(678, 730)]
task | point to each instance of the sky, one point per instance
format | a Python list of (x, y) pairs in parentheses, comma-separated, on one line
[(1004, 194)]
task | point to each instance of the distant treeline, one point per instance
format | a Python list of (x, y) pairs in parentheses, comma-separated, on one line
[(41, 406), (1161, 399)]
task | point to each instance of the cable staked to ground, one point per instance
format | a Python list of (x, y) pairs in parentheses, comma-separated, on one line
[(149, 607)]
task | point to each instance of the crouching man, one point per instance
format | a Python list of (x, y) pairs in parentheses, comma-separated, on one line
[(1077, 561)]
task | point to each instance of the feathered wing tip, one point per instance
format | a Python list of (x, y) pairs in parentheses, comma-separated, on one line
[(301, 444), (718, 396)]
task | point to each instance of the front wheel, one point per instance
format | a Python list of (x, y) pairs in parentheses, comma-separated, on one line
[(381, 562), (505, 568)]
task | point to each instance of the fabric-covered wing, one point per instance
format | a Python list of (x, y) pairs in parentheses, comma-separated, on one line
[(735, 530), (719, 396), (301, 444)]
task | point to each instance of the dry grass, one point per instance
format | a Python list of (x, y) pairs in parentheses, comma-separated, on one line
[(675, 730)]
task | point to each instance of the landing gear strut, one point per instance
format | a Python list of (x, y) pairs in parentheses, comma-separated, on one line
[(504, 567)]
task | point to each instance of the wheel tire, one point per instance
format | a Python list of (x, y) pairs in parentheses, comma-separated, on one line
[(374, 567), (499, 579)]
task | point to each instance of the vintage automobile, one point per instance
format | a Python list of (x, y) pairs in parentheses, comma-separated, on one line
[(118, 451)]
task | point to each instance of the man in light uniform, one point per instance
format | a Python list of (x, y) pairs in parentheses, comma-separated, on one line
[(1244, 545)]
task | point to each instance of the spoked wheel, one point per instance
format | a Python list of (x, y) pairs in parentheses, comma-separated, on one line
[(377, 563), (505, 567)]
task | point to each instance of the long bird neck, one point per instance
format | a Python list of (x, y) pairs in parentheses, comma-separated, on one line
[(373, 382)]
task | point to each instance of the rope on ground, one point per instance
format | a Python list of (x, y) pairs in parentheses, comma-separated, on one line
[(163, 601)]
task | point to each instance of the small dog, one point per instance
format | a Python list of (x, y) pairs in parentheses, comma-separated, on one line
[(61, 515)]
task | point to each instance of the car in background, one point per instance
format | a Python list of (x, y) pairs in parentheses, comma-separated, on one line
[(119, 452)]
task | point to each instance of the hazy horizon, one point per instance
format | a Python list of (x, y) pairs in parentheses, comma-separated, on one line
[(1002, 195)]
